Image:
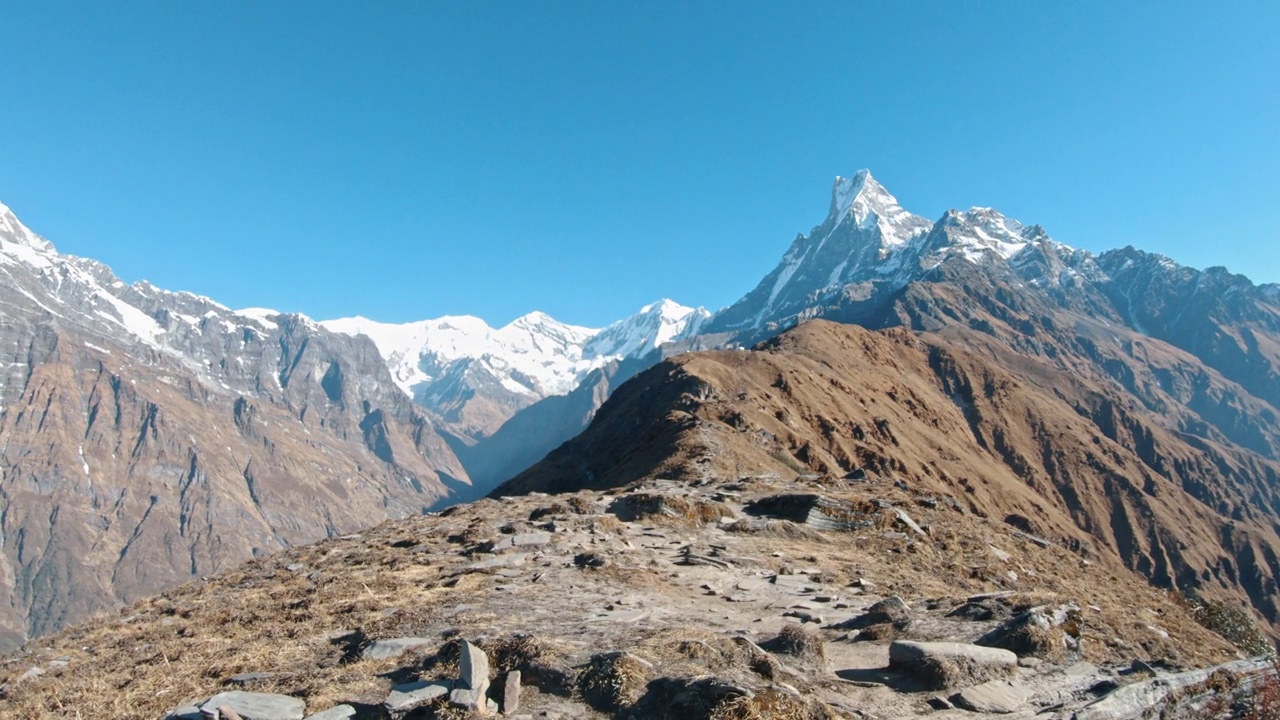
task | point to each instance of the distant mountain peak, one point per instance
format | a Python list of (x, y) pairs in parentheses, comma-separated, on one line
[(13, 231)]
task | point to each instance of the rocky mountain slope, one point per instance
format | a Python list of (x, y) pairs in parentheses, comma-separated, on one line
[(147, 437), (1058, 452), (693, 599)]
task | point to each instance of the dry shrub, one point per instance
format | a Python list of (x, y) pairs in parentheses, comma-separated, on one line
[(721, 655), (668, 510), (881, 632), (1232, 622), (518, 652), (573, 505), (944, 673), (1263, 703), (770, 705), (798, 642), (606, 524), (612, 681), (783, 529)]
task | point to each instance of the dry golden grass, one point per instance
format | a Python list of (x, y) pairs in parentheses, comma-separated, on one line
[(771, 705)]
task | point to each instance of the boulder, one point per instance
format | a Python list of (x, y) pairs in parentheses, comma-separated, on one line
[(256, 706), (815, 510), (892, 610), (942, 665)]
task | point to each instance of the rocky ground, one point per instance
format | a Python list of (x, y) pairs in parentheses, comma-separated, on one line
[(752, 599)]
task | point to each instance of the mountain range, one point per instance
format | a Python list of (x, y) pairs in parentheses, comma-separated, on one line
[(149, 436)]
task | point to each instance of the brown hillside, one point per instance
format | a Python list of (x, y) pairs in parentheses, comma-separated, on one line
[(1011, 437)]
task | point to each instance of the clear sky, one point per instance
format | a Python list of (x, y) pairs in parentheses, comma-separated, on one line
[(404, 160)]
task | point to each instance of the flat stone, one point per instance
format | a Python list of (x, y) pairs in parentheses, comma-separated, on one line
[(995, 697), (1031, 538), (417, 694), (511, 693), (249, 677), (394, 647), (911, 525), (185, 712), (797, 584), (341, 712), (991, 596), (532, 539), (909, 651), (498, 561), (257, 706), (754, 583)]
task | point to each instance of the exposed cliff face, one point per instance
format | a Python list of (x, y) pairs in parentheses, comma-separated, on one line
[(147, 437), (1048, 444)]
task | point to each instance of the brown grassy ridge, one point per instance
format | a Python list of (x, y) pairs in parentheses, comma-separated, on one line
[(410, 578)]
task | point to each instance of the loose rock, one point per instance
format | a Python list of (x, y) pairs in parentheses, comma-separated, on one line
[(257, 706), (414, 695), (511, 693)]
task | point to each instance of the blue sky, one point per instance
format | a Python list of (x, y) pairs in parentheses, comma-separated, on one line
[(404, 160)]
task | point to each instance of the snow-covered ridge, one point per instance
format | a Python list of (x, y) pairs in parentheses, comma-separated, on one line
[(83, 292), (13, 232), (534, 355)]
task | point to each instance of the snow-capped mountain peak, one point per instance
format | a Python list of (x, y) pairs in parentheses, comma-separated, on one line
[(871, 206), (655, 324), (979, 230), (13, 232)]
